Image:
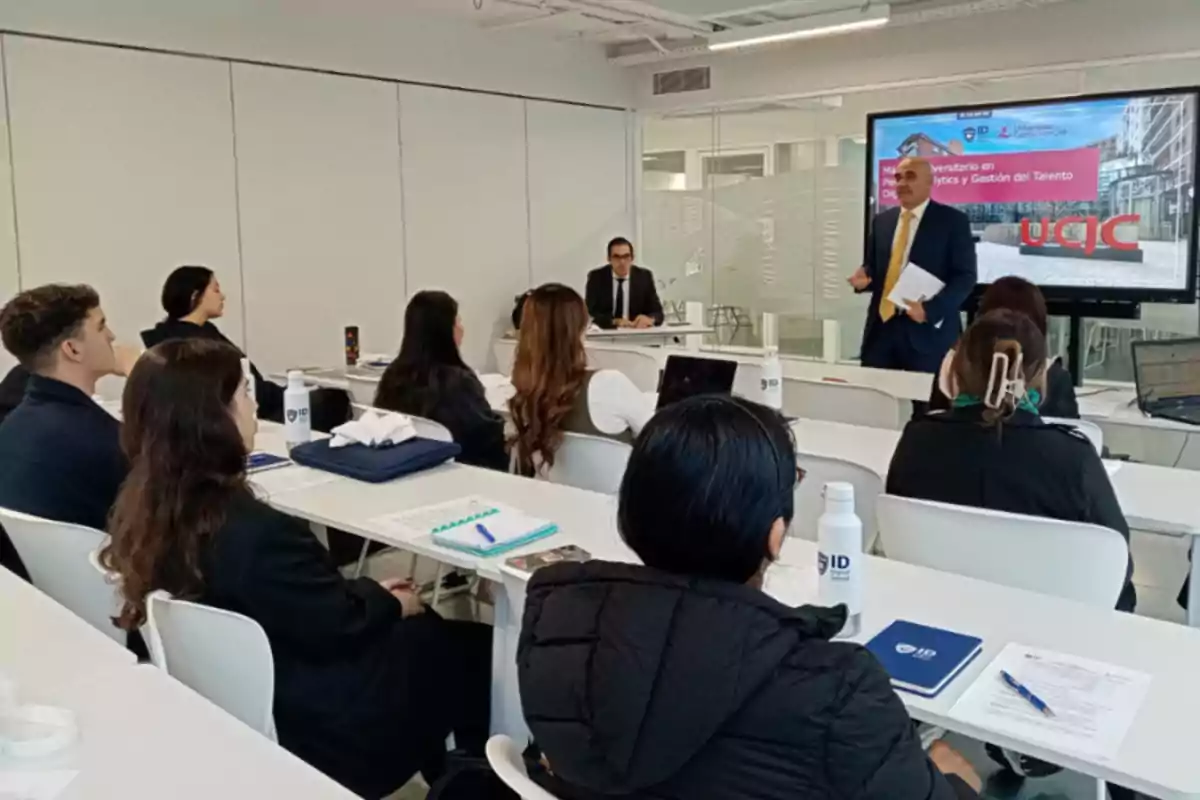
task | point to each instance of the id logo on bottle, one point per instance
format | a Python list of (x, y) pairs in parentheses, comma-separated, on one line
[(294, 414), (837, 566)]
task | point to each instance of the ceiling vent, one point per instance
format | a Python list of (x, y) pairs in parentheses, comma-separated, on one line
[(683, 80)]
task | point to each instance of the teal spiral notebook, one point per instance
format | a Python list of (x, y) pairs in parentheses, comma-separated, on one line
[(477, 526)]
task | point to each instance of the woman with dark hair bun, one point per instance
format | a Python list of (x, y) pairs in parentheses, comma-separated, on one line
[(682, 678), (192, 298), (368, 682)]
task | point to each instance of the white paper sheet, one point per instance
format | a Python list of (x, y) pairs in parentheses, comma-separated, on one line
[(1112, 467), (34, 784), (914, 284), (1094, 703)]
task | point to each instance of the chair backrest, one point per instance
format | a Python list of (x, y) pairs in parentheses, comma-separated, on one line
[(223, 656), (590, 462), (641, 368), (844, 402), (57, 554), (505, 759), (1074, 560), (426, 428), (1091, 430), (362, 390), (810, 494)]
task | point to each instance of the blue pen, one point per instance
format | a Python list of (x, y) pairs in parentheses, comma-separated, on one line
[(1020, 689), (485, 533)]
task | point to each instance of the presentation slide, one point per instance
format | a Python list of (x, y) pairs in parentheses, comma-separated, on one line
[(1085, 193)]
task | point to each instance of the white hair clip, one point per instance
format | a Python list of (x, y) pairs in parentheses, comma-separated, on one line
[(1004, 381)]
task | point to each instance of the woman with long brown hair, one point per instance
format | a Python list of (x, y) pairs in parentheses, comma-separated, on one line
[(368, 683), (556, 393)]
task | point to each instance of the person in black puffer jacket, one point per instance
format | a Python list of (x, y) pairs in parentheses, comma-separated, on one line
[(682, 679)]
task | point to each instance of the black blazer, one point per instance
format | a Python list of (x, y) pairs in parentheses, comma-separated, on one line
[(357, 688), (60, 458), (943, 246), (643, 296), (640, 684), (1028, 467), (1059, 401), (454, 397)]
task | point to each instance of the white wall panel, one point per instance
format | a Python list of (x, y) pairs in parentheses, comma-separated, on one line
[(322, 224), (123, 166), (578, 189), (465, 205), (9, 276)]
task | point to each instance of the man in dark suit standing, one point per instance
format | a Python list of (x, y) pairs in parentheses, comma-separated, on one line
[(920, 232), (622, 295)]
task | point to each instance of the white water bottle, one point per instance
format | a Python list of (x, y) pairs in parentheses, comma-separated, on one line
[(772, 380), (297, 423), (840, 558)]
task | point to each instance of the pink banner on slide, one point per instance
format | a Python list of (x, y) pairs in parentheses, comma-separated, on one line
[(1041, 176)]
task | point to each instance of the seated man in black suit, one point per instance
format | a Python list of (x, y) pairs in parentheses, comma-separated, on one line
[(622, 295), (60, 452)]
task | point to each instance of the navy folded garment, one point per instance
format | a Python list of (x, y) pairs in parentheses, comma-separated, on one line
[(375, 464)]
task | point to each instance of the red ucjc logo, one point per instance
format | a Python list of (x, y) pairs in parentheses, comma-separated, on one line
[(1096, 232)]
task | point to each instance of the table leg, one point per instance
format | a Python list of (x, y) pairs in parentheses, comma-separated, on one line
[(507, 716), (1193, 609)]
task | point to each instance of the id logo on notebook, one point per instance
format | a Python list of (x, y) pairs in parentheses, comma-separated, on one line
[(919, 653)]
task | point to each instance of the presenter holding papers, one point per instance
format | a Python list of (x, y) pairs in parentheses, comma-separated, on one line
[(920, 267)]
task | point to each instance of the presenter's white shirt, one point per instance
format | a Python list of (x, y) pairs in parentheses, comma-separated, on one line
[(917, 213), (623, 312), (616, 405)]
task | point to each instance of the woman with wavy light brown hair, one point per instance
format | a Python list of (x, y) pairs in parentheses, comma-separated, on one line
[(556, 393), (368, 683)]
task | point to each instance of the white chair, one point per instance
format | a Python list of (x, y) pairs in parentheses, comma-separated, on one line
[(505, 759), (57, 556), (426, 428), (590, 462), (1074, 560), (810, 494), (1091, 430), (844, 402), (640, 367), (362, 390), (223, 656)]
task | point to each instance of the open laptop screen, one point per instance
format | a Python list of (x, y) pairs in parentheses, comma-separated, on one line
[(686, 376), (1166, 371)]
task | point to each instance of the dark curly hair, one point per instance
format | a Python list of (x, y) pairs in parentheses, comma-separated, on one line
[(37, 321)]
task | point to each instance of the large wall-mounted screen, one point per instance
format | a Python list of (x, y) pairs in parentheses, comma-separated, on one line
[(1090, 198)]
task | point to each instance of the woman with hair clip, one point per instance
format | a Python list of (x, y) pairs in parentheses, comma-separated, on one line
[(682, 678), (556, 393), (993, 450), (1017, 294), (368, 682)]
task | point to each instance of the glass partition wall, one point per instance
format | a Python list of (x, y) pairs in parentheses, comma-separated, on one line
[(759, 208)]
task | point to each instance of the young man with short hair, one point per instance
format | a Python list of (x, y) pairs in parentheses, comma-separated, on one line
[(60, 452)]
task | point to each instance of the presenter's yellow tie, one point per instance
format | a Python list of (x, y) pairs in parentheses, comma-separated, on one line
[(887, 309)]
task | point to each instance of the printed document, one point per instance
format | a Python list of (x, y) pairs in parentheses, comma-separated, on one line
[(1093, 703), (914, 284)]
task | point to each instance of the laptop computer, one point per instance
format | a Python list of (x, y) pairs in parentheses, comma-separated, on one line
[(1167, 376), (687, 376)]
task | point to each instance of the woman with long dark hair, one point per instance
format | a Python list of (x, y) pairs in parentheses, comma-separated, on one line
[(556, 393), (192, 298), (429, 379), (368, 683)]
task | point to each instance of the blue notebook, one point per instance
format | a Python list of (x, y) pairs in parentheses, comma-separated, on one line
[(923, 660)]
